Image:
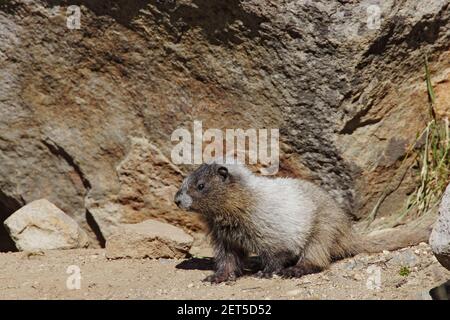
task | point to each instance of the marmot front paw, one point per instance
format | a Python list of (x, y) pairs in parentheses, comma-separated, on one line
[(220, 277)]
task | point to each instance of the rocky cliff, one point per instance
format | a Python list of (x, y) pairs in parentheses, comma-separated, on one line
[(87, 114)]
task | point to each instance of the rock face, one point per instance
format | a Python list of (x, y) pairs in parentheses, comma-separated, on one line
[(440, 236), (40, 225), (147, 184), (86, 108), (148, 239)]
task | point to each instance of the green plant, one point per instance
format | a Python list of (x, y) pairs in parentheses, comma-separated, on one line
[(404, 271)]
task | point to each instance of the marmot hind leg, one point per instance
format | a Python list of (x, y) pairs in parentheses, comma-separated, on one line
[(299, 270), (315, 258), (274, 263)]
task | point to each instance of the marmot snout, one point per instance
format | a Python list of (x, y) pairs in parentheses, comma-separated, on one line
[(293, 225)]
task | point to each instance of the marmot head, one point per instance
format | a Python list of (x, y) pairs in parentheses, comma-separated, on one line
[(213, 188), (204, 188)]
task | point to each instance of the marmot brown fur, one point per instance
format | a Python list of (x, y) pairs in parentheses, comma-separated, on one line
[(293, 225)]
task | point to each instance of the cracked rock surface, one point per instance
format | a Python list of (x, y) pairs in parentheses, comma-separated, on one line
[(87, 115)]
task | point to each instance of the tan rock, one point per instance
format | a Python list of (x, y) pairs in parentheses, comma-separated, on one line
[(148, 182), (348, 98), (40, 225), (440, 236), (148, 239)]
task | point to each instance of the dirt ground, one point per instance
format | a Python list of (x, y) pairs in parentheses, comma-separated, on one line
[(405, 274)]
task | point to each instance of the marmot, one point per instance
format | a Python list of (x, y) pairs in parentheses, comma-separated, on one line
[(293, 225)]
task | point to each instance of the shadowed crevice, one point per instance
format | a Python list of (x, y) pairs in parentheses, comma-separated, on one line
[(95, 228), (8, 206), (60, 152)]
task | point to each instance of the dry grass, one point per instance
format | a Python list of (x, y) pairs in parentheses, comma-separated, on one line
[(431, 154)]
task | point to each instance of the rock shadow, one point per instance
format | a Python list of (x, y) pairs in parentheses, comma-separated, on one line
[(196, 264), (251, 265), (8, 206)]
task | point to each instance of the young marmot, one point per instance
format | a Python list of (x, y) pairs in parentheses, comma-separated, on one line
[(293, 225)]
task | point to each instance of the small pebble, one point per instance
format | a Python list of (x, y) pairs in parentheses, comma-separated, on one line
[(293, 292), (357, 277)]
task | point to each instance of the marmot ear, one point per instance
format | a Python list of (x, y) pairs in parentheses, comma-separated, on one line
[(223, 172)]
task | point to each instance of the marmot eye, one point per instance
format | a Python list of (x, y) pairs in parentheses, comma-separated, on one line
[(200, 186)]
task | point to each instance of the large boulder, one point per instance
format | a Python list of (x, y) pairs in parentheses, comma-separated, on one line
[(40, 225), (440, 236), (343, 80), (148, 239)]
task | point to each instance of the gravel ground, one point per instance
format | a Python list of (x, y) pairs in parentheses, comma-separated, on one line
[(405, 274)]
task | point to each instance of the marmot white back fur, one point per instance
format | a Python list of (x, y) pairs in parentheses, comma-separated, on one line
[(293, 225)]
